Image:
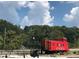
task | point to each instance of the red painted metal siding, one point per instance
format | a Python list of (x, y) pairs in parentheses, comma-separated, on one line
[(58, 45), (55, 45)]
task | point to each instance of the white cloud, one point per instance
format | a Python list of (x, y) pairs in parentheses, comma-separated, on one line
[(39, 13), (24, 22), (52, 8), (8, 12), (22, 3), (72, 19), (68, 17), (31, 5)]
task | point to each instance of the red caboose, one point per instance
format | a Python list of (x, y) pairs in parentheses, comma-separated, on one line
[(55, 45)]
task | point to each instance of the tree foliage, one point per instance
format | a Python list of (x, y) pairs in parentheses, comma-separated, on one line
[(12, 37), (31, 36)]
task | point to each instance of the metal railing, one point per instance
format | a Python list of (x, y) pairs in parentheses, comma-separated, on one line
[(3, 52)]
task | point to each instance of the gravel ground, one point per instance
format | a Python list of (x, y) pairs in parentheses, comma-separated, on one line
[(41, 56)]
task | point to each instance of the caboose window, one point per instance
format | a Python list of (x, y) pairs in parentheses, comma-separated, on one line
[(60, 45)]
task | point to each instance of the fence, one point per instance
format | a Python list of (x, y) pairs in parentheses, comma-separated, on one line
[(11, 52)]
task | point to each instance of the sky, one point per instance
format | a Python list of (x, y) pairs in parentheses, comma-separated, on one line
[(52, 13)]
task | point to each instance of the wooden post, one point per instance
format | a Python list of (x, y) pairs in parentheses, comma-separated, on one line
[(4, 38)]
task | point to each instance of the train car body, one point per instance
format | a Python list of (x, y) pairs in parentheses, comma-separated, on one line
[(55, 45)]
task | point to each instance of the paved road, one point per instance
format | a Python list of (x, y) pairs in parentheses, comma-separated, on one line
[(76, 49)]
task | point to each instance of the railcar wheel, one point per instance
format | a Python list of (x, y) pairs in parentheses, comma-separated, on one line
[(61, 52)]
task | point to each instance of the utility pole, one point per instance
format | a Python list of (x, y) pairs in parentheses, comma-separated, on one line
[(4, 36)]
